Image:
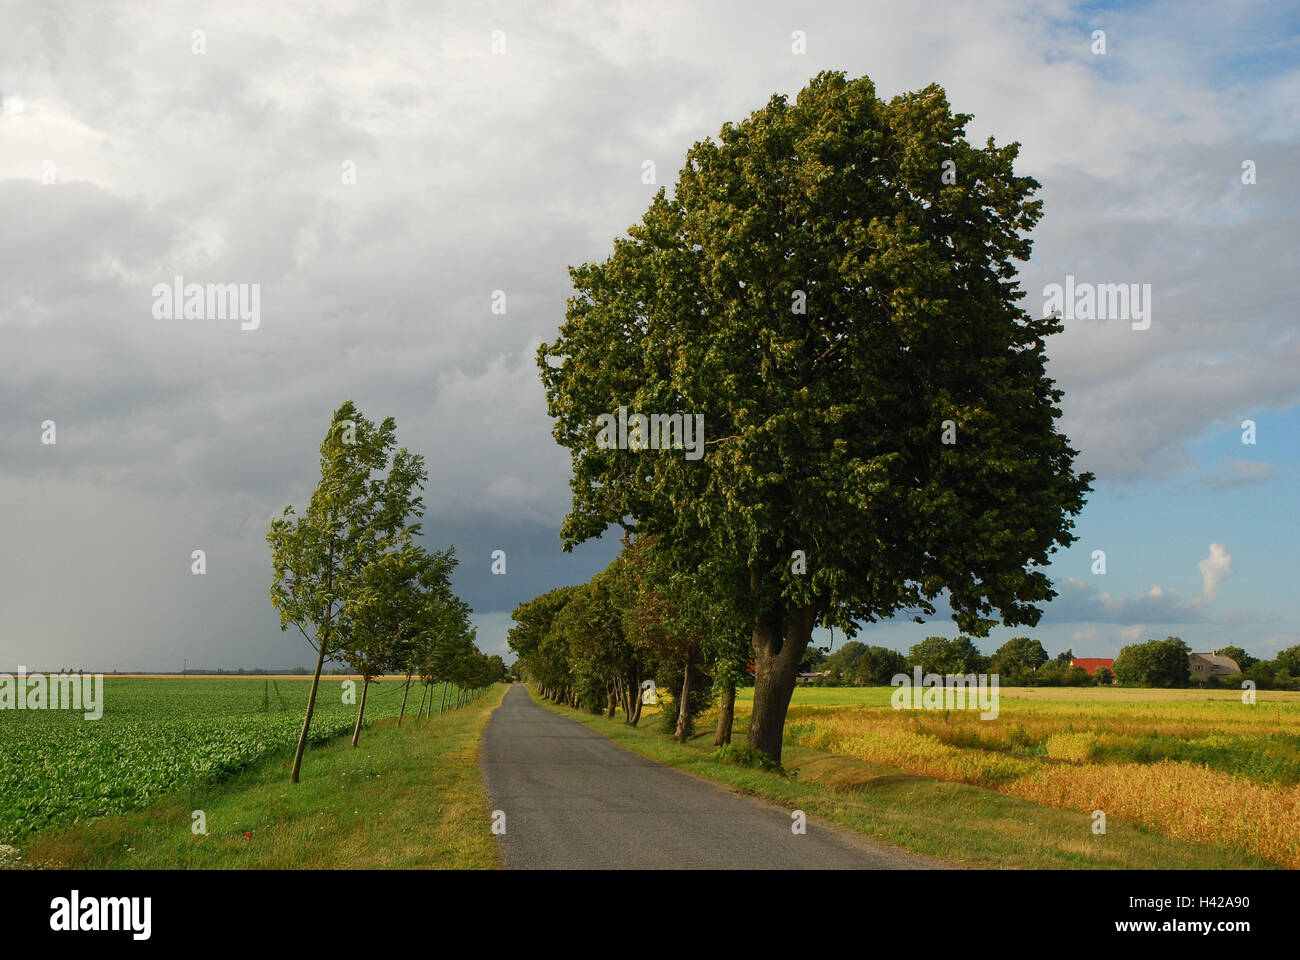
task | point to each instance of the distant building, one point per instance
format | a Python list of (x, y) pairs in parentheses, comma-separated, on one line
[(1091, 665), (1201, 666), (810, 677)]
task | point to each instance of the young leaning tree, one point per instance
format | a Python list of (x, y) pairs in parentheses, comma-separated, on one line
[(438, 611), (832, 287), (390, 613), (322, 558)]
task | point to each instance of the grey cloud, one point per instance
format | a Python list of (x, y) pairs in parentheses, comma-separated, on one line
[(476, 173), (1084, 603), (1232, 474)]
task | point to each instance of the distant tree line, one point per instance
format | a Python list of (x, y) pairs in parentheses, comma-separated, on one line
[(1163, 663), (1022, 661)]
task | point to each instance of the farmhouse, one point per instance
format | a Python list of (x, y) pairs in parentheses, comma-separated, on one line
[(1092, 664), (1214, 664), (810, 677)]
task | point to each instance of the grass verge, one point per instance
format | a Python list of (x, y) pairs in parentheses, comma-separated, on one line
[(408, 797), (965, 825)]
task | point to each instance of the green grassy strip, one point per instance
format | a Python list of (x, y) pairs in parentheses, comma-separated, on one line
[(964, 825), (408, 797)]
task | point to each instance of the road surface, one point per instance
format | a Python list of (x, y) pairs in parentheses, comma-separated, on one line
[(573, 799)]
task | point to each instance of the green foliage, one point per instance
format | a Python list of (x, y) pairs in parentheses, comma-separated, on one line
[(856, 664), (944, 655), (349, 575), (843, 664), (1288, 660), (1059, 673), (592, 624), (1155, 663), (1240, 656), (879, 665), (543, 653), (825, 416), (742, 754), (1017, 660), (364, 506), (1261, 674), (668, 675), (911, 310), (402, 602)]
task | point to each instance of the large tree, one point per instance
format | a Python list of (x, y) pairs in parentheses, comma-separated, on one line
[(945, 655), (839, 303), (878, 666), (1156, 663), (1240, 657), (1018, 659)]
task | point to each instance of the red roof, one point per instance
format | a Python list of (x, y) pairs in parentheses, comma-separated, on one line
[(1092, 664)]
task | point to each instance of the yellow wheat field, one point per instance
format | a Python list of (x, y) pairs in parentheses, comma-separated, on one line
[(1201, 767)]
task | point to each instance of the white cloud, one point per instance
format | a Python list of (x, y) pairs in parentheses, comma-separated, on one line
[(1215, 568), (1135, 633)]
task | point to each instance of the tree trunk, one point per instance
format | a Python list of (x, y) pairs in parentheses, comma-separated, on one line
[(611, 701), (684, 707), (361, 710), (311, 707), (442, 706), (404, 693), (419, 713), (726, 713), (776, 665), (620, 700), (635, 715)]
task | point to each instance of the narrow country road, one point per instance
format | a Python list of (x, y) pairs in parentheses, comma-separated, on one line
[(574, 799)]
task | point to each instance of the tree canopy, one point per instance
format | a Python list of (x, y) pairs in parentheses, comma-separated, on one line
[(847, 325)]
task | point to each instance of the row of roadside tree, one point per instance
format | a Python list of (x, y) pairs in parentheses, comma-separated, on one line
[(634, 626), (828, 300), (350, 575)]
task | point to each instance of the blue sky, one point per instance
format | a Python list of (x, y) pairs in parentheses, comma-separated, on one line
[(127, 158), (1154, 534)]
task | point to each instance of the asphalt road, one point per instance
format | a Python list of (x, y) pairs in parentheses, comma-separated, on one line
[(573, 799)]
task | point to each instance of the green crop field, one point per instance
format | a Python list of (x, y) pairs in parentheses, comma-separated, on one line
[(57, 768)]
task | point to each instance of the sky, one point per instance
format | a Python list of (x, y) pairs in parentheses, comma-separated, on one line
[(382, 170)]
